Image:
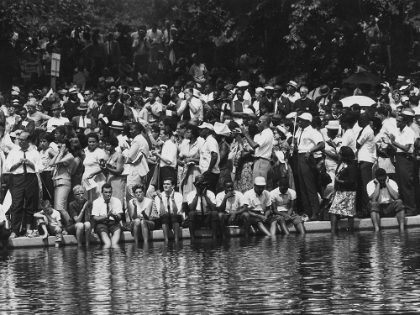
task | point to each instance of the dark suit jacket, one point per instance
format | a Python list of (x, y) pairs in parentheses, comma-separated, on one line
[(117, 112), (105, 110), (113, 52), (75, 123), (306, 106), (71, 109), (30, 127)]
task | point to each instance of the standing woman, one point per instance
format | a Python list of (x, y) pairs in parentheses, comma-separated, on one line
[(189, 158), (47, 150), (222, 131), (114, 168), (63, 163), (78, 169), (94, 157), (344, 203)]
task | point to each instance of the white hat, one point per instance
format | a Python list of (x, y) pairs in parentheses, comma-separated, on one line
[(293, 83), (221, 129), (116, 125), (196, 93), (164, 86), (16, 89), (408, 112), (333, 124), (404, 98), (306, 116), (242, 84), (291, 115), (280, 156), (280, 128), (206, 125), (259, 89), (15, 93), (404, 87), (400, 78), (417, 111), (260, 181), (268, 87), (73, 91)]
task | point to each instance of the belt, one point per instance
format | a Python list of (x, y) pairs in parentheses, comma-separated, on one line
[(259, 157)]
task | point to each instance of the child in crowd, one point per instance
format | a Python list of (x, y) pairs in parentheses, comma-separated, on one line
[(49, 222)]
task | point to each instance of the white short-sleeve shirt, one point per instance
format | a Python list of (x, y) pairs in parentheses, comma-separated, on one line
[(384, 196), (169, 152), (308, 138), (210, 145), (281, 201), (367, 151), (174, 195), (257, 203), (233, 203), (265, 140), (99, 207), (404, 137)]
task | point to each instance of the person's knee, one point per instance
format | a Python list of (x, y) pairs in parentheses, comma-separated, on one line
[(138, 222), (222, 216), (245, 216), (374, 206), (79, 226), (87, 225)]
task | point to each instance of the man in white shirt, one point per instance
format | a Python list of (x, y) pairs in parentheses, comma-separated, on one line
[(168, 205), (57, 119), (263, 146), (282, 202), (202, 206), (229, 205), (209, 156), (191, 107), (257, 202), (106, 212), (384, 199), (366, 156), (309, 141), (403, 143), (21, 164)]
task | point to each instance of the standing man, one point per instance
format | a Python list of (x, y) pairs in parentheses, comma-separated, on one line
[(309, 141), (209, 156), (403, 143), (24, 185), (117, 109), (305, 104), (263, 146)]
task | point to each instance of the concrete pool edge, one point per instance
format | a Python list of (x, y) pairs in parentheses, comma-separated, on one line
[(311, 227)]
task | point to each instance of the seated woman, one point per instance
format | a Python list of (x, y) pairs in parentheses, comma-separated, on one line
[(80, 211), (141, 215)]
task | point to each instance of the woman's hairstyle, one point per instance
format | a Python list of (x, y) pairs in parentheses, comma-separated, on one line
[(93, 135)]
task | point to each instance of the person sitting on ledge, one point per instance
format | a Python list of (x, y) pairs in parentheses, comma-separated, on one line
[(49, 222), (283, 200), (143, 219), (258, 204), (106, 212), (169, 205), (80, 212), (230, 206), (384, 199), (202, 205)]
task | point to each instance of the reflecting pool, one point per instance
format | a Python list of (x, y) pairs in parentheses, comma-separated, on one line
[(317, 274)]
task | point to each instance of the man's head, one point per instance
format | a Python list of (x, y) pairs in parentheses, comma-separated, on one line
[(106, 192), (136, 129), (168, 185), (264, 122), (305, 120), (401, 122), (46, 207), (259, 185), (303, 92), (364, 120), (228, 185), (24, 140), (138, 191), (79, 192), (283, 185), (206, 130), (381, 176)]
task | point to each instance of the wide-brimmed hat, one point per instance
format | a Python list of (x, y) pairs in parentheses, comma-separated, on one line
[(268, 87), (62, 91), (281, 129), (117, 125), (260, 181), (242, 84), (306, 116), (259, 89), (324, 90), (293, 84), (408, 112), (221, 129), (333, 125), (83, 106), (73, 91), (206, 125)]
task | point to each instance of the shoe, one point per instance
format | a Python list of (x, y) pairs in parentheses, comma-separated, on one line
[(12, 236), (35, 233), (305, 217), (29, 233), (314, 217)]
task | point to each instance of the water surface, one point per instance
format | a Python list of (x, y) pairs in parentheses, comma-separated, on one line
[(364, 273)]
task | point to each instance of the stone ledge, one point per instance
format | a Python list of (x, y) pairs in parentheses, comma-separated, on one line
[(311, 227)]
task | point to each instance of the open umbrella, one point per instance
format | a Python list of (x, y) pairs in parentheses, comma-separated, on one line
[(363, 78), (363, 101)]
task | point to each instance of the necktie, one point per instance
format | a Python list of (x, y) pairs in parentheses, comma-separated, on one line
[(168, 205), (202, 208), (83, 122), (25, 170), (107, 207)]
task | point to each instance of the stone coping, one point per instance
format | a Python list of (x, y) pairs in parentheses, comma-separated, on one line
[(311, 227)]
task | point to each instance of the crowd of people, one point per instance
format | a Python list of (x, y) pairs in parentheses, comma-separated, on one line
[(198, 149)]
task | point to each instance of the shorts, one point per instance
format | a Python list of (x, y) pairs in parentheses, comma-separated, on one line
[(170, 219), (151, 225), (71, 230), (388, 209), (52, 231), (254, 220), (239, 220), (107, 228), (293, 218)]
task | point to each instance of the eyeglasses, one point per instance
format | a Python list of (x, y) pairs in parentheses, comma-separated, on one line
[(79, 193)]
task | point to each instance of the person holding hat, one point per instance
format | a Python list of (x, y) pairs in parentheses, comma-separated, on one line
[(309, 141), (257, 202), (82, 122), (344, 202), (57, 119), (385, 199), (209, 156), (403, 144), (202, 206)]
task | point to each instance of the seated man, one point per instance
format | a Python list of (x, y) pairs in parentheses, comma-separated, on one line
[(202, 205), (384, 199), (229, 205), (49, 222), (282, 202), (258, 204), (169, 205), (106, 212), (141, 215), (80, 212)]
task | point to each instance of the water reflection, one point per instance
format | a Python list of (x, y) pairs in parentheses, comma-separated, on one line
[(360, 273)]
